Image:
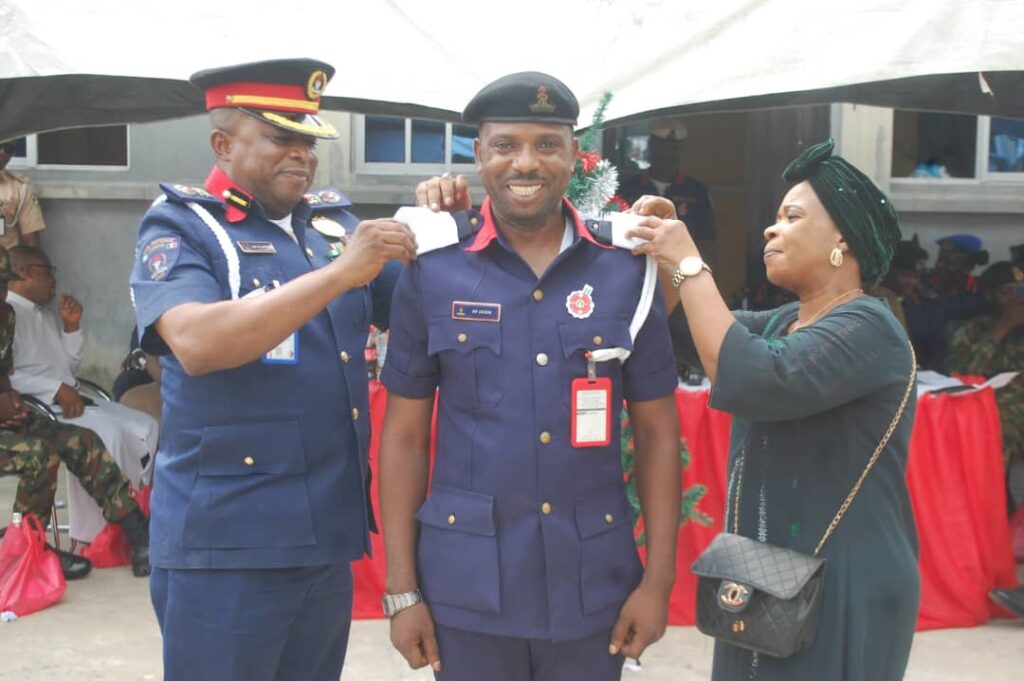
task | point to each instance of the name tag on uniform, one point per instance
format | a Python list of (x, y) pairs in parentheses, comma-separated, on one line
[(591, 412), (3, 226), (476, 312), (287, 352), (257, 247)]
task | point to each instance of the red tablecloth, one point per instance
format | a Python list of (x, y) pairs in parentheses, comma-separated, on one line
[(956, 484)]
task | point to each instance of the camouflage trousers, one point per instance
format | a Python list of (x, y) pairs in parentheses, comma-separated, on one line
[(35, 452)]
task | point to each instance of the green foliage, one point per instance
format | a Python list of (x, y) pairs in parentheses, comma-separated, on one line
[(588, 140), (692, 495)]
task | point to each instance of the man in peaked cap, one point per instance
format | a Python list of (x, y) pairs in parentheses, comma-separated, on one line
[(257, 296), (521, 563), (21, 220)]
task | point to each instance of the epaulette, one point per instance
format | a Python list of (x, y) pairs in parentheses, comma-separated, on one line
[(183, 193), (468, 222), (326, 198), (601, 230)]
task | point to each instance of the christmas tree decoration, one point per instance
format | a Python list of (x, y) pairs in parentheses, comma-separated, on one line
[(595, 181)]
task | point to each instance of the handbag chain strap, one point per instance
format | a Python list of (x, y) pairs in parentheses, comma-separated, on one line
[(864, 474)]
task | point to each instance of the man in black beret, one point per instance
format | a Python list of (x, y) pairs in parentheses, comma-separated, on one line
[(521, 563), (257, 295)]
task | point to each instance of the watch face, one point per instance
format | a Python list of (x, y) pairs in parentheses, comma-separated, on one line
[(690, 266)]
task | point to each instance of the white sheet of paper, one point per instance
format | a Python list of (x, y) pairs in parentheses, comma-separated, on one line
[(622, 223), (432, 230), (928, 381)]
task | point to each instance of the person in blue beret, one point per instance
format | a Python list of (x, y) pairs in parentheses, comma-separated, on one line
[(257, 295), (956, 288), (813, 387)]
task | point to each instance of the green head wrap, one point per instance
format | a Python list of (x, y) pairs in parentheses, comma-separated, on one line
[(865, 216)]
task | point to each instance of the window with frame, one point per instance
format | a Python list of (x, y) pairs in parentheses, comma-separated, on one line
[(389, 144), (931, 146), (95, 148)]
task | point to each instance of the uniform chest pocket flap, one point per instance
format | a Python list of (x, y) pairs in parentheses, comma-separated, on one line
[(594, 333), (472, 374), (458, 550), (251, 489), (609, 566), (258, 271)]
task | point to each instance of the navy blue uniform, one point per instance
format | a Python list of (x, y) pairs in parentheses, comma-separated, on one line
[(262, 468), (523, 535)]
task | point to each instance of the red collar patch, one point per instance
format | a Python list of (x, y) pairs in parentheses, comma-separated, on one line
[(238, 202), (488, 232)]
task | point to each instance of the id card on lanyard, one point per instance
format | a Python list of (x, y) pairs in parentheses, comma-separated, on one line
[(590, 403)]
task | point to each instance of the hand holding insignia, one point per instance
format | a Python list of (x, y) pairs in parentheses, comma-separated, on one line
[(444, 193), (658, 206), (371, 246)]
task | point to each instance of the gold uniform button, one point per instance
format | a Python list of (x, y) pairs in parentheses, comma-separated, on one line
[(309, 252), (545, 437), (355, 413), (249, 461), (451, 519), (256, 283), (462, 338), (538, 295), (608, 518), (542, 359), (545, 508), (344, 357), (598, 340)]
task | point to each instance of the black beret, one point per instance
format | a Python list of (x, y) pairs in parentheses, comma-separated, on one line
[(526, 97)]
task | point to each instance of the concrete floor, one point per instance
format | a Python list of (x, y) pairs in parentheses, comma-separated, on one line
[(104, 630)]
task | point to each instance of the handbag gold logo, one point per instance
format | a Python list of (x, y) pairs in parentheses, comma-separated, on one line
[(738, 627), (733, 595)]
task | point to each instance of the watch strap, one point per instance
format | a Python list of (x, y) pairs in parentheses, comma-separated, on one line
[(678, 277), (396, 603)]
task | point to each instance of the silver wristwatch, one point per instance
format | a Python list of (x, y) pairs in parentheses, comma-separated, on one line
[(689, 266), (396, 603)]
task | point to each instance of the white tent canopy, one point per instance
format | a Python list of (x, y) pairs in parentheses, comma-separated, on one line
[(64, 63)]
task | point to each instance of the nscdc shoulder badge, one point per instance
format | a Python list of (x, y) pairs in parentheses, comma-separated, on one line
[(159, 256), (580, 304)]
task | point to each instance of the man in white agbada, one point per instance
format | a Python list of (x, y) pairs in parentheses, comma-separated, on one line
[(47, 352)]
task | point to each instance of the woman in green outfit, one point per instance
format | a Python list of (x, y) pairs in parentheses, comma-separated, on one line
[(813, 386)]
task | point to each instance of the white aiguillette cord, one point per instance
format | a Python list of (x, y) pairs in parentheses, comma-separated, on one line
[(643, 308)]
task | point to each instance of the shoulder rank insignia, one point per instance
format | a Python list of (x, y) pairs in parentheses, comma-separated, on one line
[(328, 227), (186, 192)]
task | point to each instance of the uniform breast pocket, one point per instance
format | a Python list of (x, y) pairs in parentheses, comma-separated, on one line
[(471, 367), (579, 336), (257, 271), (251, 489)]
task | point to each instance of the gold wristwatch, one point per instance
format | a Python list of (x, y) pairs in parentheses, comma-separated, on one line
[(689, 266)]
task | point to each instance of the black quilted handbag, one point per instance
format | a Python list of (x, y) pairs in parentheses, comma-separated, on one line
[(757, 596), (767, 598)]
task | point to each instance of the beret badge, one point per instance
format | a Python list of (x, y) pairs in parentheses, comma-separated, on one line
[(542, 104)]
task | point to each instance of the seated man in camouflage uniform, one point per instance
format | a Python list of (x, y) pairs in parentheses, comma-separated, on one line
[(33, 449), (994, 343)]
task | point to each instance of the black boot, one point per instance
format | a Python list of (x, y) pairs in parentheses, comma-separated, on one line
[(73, 567), (136, 529)]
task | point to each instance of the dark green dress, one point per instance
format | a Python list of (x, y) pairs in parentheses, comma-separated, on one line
[(808, 410)]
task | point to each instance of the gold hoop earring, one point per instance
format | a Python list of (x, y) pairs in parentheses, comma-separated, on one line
[(836, 257)]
